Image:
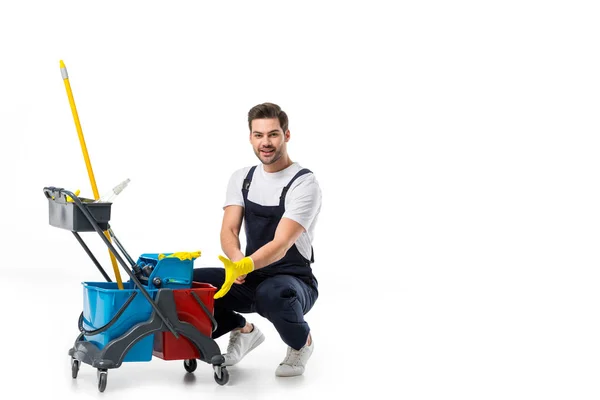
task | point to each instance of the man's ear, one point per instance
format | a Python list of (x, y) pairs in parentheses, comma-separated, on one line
[(287, 136)]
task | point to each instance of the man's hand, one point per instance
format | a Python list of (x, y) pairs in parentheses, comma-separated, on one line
[(234, 270), (242, 278)]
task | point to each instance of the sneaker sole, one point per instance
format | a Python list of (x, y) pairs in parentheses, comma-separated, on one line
[(288, 374), (256, 343)]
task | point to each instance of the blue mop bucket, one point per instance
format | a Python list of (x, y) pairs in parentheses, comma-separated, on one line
[(102, 301)]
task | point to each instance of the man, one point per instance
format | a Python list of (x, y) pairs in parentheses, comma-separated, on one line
[(279, 203)]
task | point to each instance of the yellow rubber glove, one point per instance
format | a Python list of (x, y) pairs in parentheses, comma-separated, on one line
[(232, 271), (182, 255)]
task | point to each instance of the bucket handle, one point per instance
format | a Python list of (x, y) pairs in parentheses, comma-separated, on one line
[(212, 319), (110, 323)]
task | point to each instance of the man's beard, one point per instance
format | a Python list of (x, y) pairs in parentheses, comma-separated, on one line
[(276, 156)]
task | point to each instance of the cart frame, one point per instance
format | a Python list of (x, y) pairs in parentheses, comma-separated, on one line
[(164, 312)]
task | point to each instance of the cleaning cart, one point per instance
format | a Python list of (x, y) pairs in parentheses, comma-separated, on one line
[(159, 312)]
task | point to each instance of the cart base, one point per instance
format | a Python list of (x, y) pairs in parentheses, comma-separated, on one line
[(112, 355)]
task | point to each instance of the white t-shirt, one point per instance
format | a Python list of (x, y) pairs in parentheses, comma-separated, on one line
[(302, 201)]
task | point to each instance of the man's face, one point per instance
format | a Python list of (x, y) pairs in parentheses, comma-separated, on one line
[(268, 140)]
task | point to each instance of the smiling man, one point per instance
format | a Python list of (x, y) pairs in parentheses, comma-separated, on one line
[(279, 203)]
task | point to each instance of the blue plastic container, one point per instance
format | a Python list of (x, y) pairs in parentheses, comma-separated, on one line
[(102, 301)]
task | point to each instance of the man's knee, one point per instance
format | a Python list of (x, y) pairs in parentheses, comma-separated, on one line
[(273, 297)]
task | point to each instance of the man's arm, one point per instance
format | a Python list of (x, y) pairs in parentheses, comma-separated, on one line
[(230, 230), (288, 231)]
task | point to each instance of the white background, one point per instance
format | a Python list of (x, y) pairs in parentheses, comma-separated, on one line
[(456, 144)]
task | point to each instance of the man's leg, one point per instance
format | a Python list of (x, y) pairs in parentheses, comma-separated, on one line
[(284, 300), (244, 337), (239, 298)]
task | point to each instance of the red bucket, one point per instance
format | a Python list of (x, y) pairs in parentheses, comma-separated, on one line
[(166, 346)]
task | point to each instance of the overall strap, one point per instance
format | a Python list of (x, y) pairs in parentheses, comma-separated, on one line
[(303, 171), (247, 182)]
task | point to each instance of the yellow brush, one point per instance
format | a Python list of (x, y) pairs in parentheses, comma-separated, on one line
[(63, 71)]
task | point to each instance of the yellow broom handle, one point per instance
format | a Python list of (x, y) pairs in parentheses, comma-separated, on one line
[(88, 164)]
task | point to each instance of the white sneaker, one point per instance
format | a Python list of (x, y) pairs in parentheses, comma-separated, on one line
[(295, 361), (241, 344)]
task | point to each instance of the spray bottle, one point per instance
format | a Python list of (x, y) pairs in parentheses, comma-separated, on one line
[(110, 196)]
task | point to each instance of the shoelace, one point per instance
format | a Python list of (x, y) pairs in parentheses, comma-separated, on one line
[(232, 339), (294, 355)]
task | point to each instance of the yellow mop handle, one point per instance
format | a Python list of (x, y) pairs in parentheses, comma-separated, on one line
[(63, 71)]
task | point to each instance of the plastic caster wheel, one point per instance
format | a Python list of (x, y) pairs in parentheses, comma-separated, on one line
[(74, 368), (190, 365), (102, 377), (224, 377)]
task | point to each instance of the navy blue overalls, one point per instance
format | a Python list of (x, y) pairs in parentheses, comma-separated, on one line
[(282, 292)]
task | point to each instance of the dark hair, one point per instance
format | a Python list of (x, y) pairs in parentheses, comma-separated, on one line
[(268, 110)]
